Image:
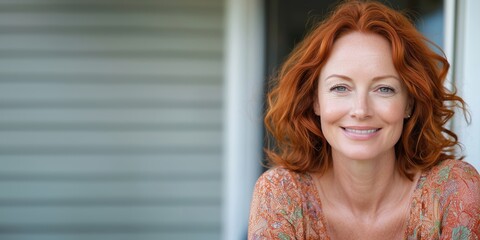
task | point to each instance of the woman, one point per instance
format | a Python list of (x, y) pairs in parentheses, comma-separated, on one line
[(361, 152)]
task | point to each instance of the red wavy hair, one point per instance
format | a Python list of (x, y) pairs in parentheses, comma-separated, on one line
[(290, 118)]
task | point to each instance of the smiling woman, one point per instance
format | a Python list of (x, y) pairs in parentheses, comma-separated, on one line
[(361, 102), (362, 152)]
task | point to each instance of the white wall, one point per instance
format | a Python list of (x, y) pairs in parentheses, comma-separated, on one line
[(466, 72), (243, 115)]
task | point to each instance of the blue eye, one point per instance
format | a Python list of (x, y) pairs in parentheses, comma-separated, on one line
[(339, 89), (386, 90)]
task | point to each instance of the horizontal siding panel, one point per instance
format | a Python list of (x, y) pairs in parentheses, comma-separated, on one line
[(192, 138), (110, 215), (95, 150), (111, 119), (170, 20), (206, 43), (18, 119), (107, 92), (158, 164), (181, 235), (110, 31), (58, 191), (180, 67), (109, 78), (128, 4), (32, 104)]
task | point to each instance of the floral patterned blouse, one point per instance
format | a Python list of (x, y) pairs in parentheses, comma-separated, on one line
[(445, 205)]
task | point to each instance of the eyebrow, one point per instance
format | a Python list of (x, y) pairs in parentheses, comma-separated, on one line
[(349, 79)]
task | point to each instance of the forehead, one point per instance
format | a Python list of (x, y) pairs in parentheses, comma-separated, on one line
[(361, 40), (357, 52)]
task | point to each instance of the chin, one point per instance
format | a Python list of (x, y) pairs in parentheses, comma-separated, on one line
[(360, 156), (363, 154)]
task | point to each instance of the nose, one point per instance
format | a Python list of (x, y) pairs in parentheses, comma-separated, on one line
[(360, 106)]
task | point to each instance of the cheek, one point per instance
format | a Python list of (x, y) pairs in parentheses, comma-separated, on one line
[(332, 110), (392, 111)]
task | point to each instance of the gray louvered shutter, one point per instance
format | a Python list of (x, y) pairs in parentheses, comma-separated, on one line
[(110, 119)]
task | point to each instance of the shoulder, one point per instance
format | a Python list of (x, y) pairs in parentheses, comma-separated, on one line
[(454, 172), (283, 190), (280, 181), (279, 174), (455, 179), (450, 202), (276, 207), (457, 187)]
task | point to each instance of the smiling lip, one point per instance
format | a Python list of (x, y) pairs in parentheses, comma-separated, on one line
[(360, 133)]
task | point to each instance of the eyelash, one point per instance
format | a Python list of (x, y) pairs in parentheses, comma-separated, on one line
[(389, 89), (383, 89), (335, 88)]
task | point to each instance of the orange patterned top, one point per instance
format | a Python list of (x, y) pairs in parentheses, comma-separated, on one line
[(445, 205)]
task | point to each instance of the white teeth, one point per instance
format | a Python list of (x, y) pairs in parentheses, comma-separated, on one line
[(358, 131)]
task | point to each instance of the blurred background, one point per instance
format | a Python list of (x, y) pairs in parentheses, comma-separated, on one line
[(142, 119)]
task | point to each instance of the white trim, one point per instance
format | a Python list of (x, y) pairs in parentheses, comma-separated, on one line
[(244, 73), (449, 36), (466, 72)]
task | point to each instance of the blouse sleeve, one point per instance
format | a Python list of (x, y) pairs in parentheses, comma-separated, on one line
[(274, 212), (461, 216)]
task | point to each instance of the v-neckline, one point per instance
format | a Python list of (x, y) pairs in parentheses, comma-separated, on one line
[(417, 191)]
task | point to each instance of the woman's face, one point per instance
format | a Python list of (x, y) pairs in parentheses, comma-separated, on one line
[(361, 100)]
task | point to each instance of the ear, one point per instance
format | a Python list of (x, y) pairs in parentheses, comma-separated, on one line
[(409, 108), (316, 107)]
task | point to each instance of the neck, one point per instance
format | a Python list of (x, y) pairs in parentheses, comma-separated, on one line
[(367, 187)]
